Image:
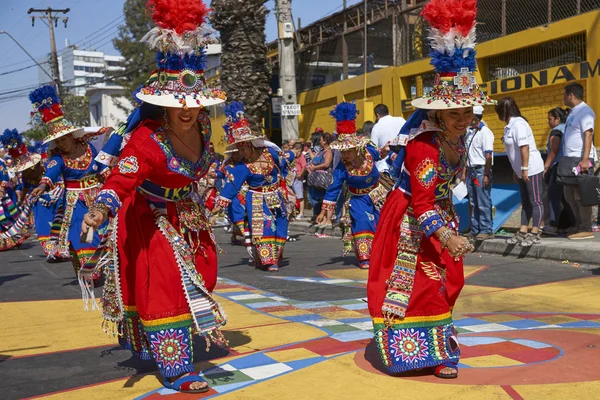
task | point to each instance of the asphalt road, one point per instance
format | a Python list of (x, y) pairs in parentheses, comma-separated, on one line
[(26, 277)]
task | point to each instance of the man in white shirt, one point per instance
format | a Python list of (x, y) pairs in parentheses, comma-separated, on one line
[(385, 130), (578, 143), (480, 147)]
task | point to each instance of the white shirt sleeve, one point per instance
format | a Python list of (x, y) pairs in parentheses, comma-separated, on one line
[(587, 120), (375, 136), (521, 133), (488, 140)]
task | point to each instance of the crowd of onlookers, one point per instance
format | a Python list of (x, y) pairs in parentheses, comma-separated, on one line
[(570, 155)]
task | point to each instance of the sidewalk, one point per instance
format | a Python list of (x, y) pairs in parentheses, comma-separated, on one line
[(555, 249)]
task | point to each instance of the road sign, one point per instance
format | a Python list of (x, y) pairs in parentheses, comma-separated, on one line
[(277, 102), (290, 110)]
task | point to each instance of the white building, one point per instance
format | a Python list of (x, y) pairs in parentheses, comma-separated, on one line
[(81, 68), (109, 105)]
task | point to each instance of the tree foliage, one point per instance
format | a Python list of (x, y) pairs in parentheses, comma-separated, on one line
[(139, 59), (245, 72)]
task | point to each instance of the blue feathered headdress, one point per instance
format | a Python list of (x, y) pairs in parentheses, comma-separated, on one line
[(11, 139), (345, 118)]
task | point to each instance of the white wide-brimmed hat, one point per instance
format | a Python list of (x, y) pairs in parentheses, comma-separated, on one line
[(180, 37)]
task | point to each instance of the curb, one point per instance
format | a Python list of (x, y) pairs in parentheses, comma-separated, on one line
[(555, 249), (587, 252)]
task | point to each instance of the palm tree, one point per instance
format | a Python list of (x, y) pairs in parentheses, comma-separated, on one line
[(245, 72)]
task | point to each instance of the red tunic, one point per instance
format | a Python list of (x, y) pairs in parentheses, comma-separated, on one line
[(158, 292), (413, 283)]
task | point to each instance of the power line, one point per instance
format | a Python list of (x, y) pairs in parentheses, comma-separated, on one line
[(96, 39), (17, 70)]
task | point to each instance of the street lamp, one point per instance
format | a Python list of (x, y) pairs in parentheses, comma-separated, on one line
[(26, 52)]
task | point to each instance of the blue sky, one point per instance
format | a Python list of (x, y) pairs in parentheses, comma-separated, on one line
[(85, 20)]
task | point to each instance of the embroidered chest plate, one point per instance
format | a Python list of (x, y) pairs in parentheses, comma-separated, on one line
[(363, 170), (181, 165), (260, 169), (81, 163)]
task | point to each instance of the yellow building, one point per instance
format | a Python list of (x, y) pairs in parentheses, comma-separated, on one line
[(552, 55)]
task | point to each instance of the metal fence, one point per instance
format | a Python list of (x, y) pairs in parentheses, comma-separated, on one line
[(333, 48)]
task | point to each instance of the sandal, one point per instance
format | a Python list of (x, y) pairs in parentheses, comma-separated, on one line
[(517, 238), (438, 371), (273, 268), (182, 384), (364, 265), (291, 239), (531, 239)]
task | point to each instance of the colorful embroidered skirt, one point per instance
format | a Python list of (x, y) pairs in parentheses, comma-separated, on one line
[(44, 211), (410, 274), (68, 243), (155, 292), (268, 223)]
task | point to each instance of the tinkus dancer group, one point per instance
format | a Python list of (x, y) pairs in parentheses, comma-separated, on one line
[(134, 209)]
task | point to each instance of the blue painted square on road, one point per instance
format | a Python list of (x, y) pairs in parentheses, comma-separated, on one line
[(524, 324), (253, 360), (305, 317), (358, 306), (351, 336), (478, 340), (531, 343), (469, 322), (264, 304)]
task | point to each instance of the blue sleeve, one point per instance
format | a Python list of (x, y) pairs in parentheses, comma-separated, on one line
[(333, 191), (233, 184), (396, 166), (374, 153), (54, 170), (3, 174)]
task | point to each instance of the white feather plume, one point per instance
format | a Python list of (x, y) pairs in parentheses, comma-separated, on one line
[(467, 42), (167, 40)]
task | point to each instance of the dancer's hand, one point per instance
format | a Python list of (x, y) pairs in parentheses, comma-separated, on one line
[(38, 191), (320, 218), (92, 220), (458, 245)]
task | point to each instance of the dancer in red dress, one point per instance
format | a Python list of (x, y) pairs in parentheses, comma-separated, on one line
[(164, 264), (416, 270)]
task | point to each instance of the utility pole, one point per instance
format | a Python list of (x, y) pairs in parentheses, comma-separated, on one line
[(48, 16), (287, 68)]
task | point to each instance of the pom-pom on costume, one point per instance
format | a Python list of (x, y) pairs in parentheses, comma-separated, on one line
[(161, 252), (265, 199), (365, 194), (413, 281)]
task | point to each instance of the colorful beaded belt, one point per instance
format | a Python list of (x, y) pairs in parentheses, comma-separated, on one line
[(265, 189), (168, 194), (85, 183), (357, 191)]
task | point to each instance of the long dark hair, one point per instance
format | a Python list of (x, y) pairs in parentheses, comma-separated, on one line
[(507, 108), (559, 113)]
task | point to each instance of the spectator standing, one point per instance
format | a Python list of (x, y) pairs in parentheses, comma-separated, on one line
[(528, 168), (367, 129), (578, 144), (480, 147), (556, 200), (385, 130), (298, 184), (321, 162)]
